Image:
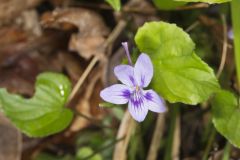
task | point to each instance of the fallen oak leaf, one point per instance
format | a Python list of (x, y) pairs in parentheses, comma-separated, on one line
[(92, 30)]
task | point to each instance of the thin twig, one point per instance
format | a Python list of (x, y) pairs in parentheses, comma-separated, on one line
[(225, 45), (90, 5), (146, 11), (194, 6), (19, 146), (125, 130), (103, 148), (115, 33), (209, 144), (93, 121), (156, 139), (174, 111), (220, 69), (83, 77), (176, 139), (192, 26)]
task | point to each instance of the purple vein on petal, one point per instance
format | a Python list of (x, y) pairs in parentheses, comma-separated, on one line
[(132, 80), (137, 100), (126, 94), (142, 80), (148, 96), (116, 94), (137, 108), (154, 102)]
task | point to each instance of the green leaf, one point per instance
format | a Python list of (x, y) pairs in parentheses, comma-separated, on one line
[(45, 156), (85, 152), (179, 74), (206, 1), (167, 4), (226, 116), (44, 114), (107, 105), (116, 4)]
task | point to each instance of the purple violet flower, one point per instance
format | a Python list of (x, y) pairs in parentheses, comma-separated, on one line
[(134, 79)]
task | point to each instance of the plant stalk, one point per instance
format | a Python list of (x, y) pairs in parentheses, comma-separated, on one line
[(227, 150), (174, 112), (235, 8)]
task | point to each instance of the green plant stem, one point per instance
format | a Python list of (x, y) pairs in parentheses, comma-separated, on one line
[(235, 7), (226, 153), (174, 111), (209, 144)]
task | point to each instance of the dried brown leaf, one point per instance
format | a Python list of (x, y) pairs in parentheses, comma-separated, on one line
[(92, 30), (87, 46), (12, 34), (80, 122), (19, 43), (10, 140), (146, 10), (20, 77), (71, 65), (87, 21), (88, 104), (12, 8)]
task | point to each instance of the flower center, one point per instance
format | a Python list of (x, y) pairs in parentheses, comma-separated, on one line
[(137, 88), (137, 97)]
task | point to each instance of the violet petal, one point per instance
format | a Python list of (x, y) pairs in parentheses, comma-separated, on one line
[(137, 108), (124, 73), (143, 70), (153, 101), (116, 94)]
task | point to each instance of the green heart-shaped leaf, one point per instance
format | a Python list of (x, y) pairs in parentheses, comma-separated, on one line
[(43, 114), (226, 116), (167, 4), (179, 74)]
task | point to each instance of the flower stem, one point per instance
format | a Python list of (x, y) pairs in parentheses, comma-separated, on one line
[(227, 150), (211, 139), (174, 112), (125, 46), (157, 136), (235, 7)]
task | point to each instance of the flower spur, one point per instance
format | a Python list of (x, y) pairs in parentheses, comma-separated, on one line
[(134, 79)]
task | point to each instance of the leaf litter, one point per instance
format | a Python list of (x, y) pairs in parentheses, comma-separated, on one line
[(63, 36)]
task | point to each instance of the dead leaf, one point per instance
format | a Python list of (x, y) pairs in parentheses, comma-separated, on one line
[(88, 104), (20, 77), (87, 21), (146, 12), (80, 122), (10, 9), (71, 65), (13, 48), (10, 140), (92, 30), (23, 57), (87, 46), (12, 34), (30, 22)]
